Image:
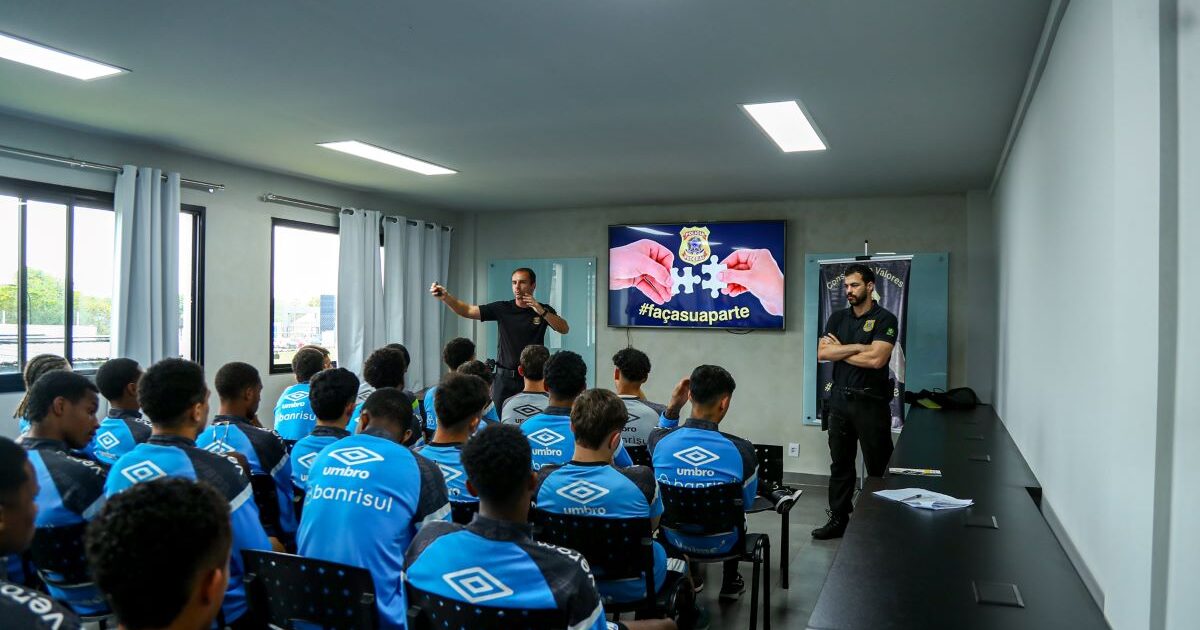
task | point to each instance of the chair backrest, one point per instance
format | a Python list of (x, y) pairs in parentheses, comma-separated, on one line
[(703, 511), (427, 611), (58, 555), (770, 462), (462, 512), (283, 589), (615, 548), (263, 487), (640, 455)]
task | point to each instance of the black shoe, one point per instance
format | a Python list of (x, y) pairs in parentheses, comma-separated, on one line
[(833, 529), (785, 497), (731, 590)]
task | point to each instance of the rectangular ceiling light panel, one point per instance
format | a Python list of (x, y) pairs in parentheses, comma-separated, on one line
[(391, 158), (787, 124), (38, 56)]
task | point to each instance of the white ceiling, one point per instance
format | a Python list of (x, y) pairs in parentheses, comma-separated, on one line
[(550, 103)]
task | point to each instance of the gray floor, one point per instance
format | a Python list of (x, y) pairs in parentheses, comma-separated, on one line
[(809, 562)]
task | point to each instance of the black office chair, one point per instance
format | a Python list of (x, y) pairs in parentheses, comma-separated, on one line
[(716, 510), (462, 512), (58, 557), (770, 475), (298, 503), (640, 455), (615, 549), (283, 589), (427, 611)]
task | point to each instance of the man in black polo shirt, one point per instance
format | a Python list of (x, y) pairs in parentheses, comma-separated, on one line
[(522, 321), (859, 340)]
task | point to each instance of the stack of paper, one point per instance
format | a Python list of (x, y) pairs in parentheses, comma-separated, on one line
[(924, 499)]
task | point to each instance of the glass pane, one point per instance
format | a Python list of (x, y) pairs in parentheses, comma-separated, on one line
[(94, 270), (187, 223), (305, 295), (46, 269), (8, 284)]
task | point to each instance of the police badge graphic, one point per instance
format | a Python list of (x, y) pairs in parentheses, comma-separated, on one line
[(869, 326), (693, 246)]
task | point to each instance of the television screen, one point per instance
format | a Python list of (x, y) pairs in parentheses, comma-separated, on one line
[(697, 275)]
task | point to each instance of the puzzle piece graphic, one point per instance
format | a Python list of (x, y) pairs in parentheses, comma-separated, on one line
[(683, 282), (713, 270)]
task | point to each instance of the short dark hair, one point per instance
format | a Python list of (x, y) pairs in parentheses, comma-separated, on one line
[(596, 414), (401, 348), (307, 362), (390, 405), (458, 397), (150, 543), (633, 363), (457, 352), (234, 378), (566, 374), (12, 469), (55, 384), (169, 388), (498, 462), (330, 391), (477, 368), (385, 367), (709, 383), (527, 271), (34, 369), (862, 270), (533, 361), (115, 375)]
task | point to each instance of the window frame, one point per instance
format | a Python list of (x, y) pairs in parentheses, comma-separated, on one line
[(272, 367), (71, 197)]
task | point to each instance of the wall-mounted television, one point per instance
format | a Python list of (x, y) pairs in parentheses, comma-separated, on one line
[(727, 274)]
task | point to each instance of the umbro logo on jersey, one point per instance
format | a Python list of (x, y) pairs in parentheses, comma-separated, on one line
[(107, 440), (545, 437), (696, 456), (477, 585), (296, 397), (307, 460), (527, 410), (219, 447), (630, 418), (449, 473), (582, 491), (143, 471), (355, 455)]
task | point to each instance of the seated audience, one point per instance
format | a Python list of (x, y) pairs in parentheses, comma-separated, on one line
[(173, 395), (460, 401), (631, 369), (332, 395), (456, 352), (123, 427), (294, 417), (160, 552), (34, 369), (533, 398), (368, 495), (480, 369)]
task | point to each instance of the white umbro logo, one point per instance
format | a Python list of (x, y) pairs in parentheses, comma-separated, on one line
[(307, 460), (355, 455), (219, 447), (477, 585), (696, 456), (582, 491), (296, 396), (107, 440), (143, 471), (545, 437), (449, 473)]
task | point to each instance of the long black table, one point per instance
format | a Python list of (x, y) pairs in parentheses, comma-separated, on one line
[(903, 567)]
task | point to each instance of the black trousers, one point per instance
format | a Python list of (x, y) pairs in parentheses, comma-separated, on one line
[(854, 421), (504, 387)]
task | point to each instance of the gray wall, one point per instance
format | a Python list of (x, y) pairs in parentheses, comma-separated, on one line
[(768, 366), (238, 231)]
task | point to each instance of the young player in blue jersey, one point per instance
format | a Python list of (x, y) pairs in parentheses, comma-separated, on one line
[(480, 369), (456, 352), (124, 427), (365, 388), (533, 399), (294, 417), (385, 367), (368, 495), (631, 369), (61, 410), (22, 607), (332, 395), (549, 432), (460, 401), (698, 454), (239, 388), (494, 561), (173, 395), (160, 552), (34, 369)]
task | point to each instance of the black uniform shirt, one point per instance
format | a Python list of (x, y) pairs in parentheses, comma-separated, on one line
[(519, 327), (877, 324)]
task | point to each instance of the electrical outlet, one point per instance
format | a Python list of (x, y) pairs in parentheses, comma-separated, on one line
[(793, 449)]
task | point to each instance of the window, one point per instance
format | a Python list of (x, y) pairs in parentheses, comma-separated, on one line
[(304, 270), (58, 271)]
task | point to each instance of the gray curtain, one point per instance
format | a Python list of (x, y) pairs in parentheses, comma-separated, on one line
[(360, 328), (417, 255)]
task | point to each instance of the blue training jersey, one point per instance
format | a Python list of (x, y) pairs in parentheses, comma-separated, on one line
[(698, 455), (173, 456), (599, 490), (266, 454), (448, 457), (118, 433), (306, 450), (498, 564), (72, 493), (352, 426), (381, 492), (294, 417), (550, 436)]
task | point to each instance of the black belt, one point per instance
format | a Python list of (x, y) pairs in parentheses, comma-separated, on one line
[(852, 393), (505, 372)]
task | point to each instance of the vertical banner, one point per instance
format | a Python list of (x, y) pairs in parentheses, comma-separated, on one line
[(891, 292)]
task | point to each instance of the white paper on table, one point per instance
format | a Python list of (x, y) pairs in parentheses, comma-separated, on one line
[(924, 499)]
